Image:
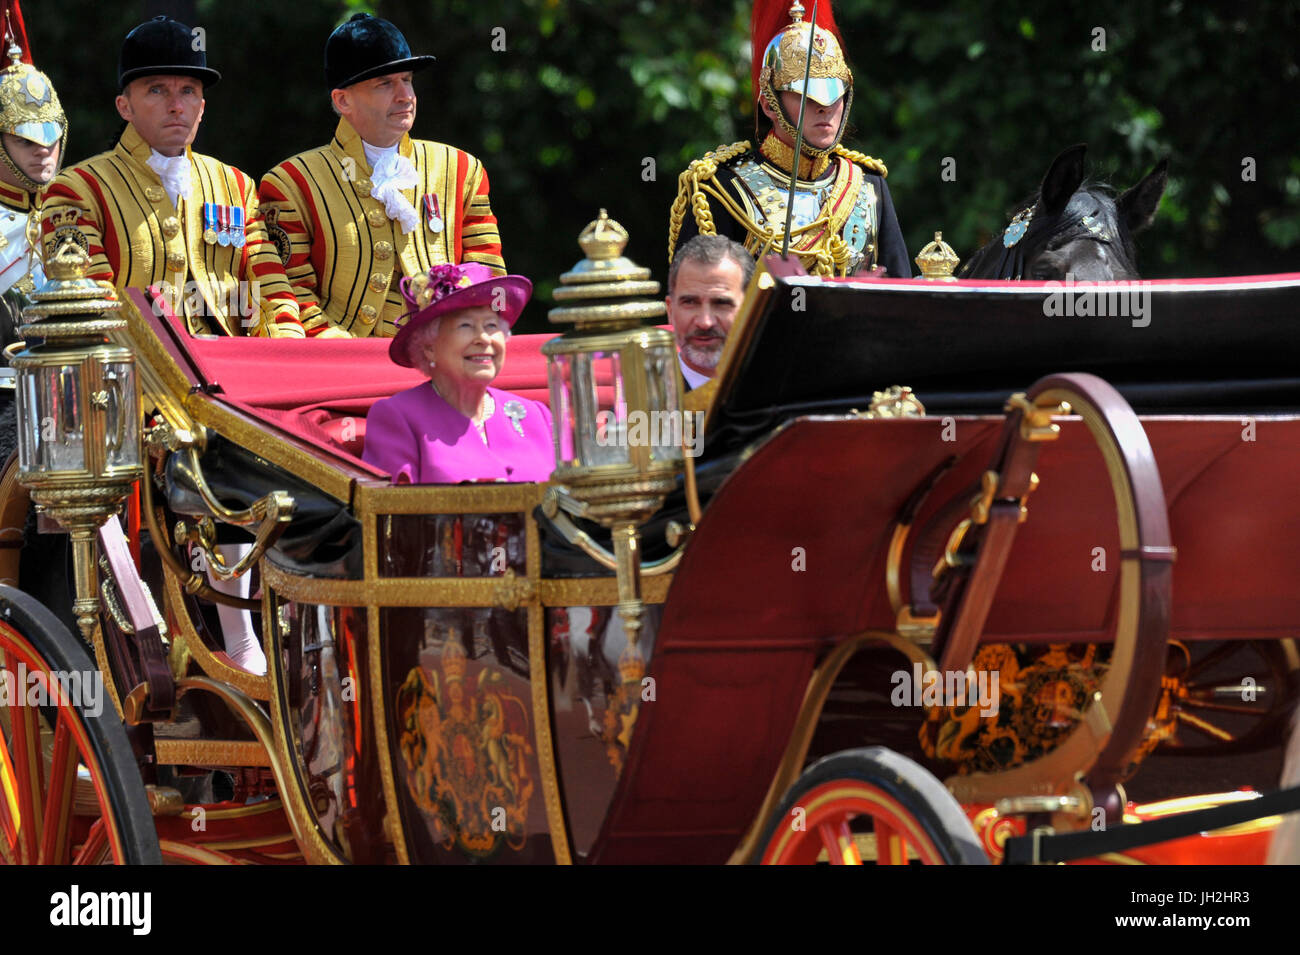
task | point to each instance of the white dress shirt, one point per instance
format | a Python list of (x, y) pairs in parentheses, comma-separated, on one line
[(693, 377)]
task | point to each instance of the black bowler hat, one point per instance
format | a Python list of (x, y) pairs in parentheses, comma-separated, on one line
[(163, 47), (365, 47)]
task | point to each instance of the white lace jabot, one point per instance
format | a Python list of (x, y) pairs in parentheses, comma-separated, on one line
[(174, 171), (391, 173)]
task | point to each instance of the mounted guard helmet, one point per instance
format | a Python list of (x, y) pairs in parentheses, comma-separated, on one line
[(30, 108), (780, 67)]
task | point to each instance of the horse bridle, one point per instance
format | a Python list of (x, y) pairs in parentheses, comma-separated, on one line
[(1011, 264)]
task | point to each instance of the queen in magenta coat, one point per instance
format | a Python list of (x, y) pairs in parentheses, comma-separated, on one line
[(456, 427)]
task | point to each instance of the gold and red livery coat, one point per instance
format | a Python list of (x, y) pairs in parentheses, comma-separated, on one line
[(342, 253), (115, 207)]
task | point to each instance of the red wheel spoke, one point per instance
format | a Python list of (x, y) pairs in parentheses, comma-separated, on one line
[(891, 847), (838, 841), (851, 854), (58, 803), (28, 770), (8, 801), (95, 845), (47, 749), (830, 842), (8, 804)]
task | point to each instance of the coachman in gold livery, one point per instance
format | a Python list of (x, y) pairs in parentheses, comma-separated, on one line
[(353, 217), (152, 212), (843, 221)]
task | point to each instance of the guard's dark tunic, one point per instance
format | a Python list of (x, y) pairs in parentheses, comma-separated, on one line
[(843, 223)]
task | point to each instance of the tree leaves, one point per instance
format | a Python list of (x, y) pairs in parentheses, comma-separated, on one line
[(566, 116)]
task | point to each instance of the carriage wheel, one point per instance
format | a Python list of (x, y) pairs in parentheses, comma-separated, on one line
[(1232, 698), (869, 805), (70, 790)]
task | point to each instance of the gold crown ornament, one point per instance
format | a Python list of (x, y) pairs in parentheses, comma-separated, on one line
[(631, 666), (937, 260)]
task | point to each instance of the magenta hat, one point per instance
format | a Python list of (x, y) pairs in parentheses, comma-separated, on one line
[(450, 288)]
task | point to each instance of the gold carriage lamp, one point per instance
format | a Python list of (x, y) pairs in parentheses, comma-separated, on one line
[(615, 405), (78, 412)]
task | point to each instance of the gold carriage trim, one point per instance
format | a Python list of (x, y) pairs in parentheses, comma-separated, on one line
[(457, 591), (210, 752)]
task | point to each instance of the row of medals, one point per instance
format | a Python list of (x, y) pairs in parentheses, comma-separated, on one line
[(232, 234)]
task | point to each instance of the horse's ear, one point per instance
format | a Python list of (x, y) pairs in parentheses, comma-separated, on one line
[(1062, 179), (1137, 207)]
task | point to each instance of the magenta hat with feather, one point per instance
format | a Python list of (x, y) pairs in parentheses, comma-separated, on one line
[(451, 288)]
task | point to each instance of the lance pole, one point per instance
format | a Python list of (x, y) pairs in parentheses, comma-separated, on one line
[(798, 133)]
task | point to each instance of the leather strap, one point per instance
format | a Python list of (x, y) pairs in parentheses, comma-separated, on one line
[(965, 594), (968, 603), (924, 545)]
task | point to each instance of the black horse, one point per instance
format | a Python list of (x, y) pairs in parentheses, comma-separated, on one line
[(1072, 228)]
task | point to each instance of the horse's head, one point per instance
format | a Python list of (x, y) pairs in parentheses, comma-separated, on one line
[(1072, 228)]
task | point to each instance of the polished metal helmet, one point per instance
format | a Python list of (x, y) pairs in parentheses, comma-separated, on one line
[(30, 108), (784, 61)]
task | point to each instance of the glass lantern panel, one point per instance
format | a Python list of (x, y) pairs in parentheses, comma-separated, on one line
[(670, 429), (589, 408), (559, 372), (121, 415), (28, 420), (53, 433)]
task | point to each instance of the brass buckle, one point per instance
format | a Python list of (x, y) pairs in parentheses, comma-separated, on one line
[(982, 502), (950, 558), (917, 629), (980, 507), (1036, 420)]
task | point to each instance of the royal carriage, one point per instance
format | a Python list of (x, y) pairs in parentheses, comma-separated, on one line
[(660, 656)]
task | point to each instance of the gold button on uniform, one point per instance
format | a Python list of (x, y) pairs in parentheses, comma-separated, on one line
[(379, 281), (383, 250), (171, 226), (176, 261), (363, 187), (376, 218), (154, 194), (367, 314)]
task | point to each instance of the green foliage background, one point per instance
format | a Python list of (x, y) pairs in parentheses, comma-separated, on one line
[(587, 92)]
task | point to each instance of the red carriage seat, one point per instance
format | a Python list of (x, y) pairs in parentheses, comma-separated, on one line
[(320, 391)]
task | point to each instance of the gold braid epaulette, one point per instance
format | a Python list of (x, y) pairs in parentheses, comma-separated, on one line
[(862, 159), (688, 192)]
